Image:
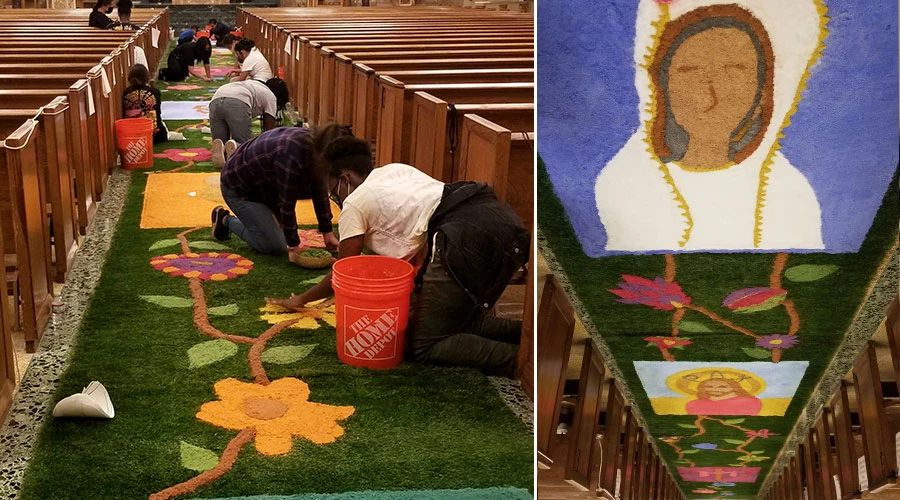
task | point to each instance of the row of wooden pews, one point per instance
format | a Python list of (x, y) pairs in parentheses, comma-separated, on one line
[(605, 452), (449, 91), (851, 451), (61, 86)]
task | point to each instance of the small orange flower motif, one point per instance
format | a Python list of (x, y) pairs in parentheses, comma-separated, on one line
[(279, 411)]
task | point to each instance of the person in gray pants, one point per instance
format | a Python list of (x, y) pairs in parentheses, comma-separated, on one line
[(232, 109)]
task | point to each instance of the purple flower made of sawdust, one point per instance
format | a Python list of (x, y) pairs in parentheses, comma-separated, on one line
[(658, 293), (705, 446), (777, 341)]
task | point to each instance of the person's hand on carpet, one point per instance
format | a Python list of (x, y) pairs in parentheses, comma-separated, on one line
[(294, 303), (331, 241)]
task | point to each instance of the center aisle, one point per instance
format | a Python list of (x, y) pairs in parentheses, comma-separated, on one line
[(217, 396)]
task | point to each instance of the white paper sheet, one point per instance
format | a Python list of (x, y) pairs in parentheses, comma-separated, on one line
[(287, 45), (863, 474), (154, 37)]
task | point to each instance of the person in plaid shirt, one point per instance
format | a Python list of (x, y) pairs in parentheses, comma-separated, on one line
[(262, 181)]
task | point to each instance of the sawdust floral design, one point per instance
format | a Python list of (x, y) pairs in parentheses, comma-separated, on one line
[(663, 293), (215, 266), (268, 413), (305, 319), (190, 154), (278, 411)]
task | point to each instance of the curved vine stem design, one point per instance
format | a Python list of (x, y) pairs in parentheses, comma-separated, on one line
[(226, 461), (701, 430), (718, 319), (257, 346)]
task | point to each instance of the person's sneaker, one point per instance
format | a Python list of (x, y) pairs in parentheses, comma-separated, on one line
[(230, 146), (220, 231), (218, 153)]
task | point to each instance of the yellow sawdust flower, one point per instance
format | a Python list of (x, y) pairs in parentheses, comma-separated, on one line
[(307, 319), (279, 411)]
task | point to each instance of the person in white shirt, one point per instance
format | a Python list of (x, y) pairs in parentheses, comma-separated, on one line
[(465, 243), (253, 64), (232, 109)]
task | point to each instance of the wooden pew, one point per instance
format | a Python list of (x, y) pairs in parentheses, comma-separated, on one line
[(525, 358), (892, 326), (878, 441), (613, 444), (395, 114), (489, 153), (633, 437), (435, 124), (821, 440), (359, 81), (839, 407), (582, 435), (7, 357), (555, 327), (23, 203), (80, 153)]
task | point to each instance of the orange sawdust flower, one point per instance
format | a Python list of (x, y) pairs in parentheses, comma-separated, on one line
[(279, 411), (307, 319), (216, 266)]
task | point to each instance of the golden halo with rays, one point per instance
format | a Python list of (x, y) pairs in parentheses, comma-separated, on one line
[(685, 382)]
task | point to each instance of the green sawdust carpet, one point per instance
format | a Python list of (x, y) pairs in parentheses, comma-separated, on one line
[(467, 494), (320, 426), (668, 336)]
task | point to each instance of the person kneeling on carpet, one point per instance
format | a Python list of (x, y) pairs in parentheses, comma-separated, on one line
[(140, 100), (180, 63), (262, 181), (233, 107), (466, 243)]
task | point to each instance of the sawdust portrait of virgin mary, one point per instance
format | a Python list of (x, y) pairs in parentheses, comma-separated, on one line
[(714, 144)]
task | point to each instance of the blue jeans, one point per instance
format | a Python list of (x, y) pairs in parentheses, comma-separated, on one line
[(254, 223)]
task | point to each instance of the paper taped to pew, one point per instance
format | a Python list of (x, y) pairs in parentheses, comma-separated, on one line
[(104, 79), (287, 45), (92, 402), (154, 37), (90, 94)]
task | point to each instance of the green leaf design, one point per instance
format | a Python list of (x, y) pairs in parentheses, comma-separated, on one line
[(196, 458), (211, 351), (690, 452), (734, 441), (164, 244), (229, 310), (693, 326), (771, 303), (734, 421), (651, 344), (313, 281), (757, 352), (207, 245), (287, 354), (809, 272), (688, 426), (757, 452), (168, 300)]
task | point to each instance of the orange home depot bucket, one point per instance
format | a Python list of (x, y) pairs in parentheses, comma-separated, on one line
[(371, 295), (134, 138)]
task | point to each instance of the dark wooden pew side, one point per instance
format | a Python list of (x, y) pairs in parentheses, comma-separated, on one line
[(359, 81)]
